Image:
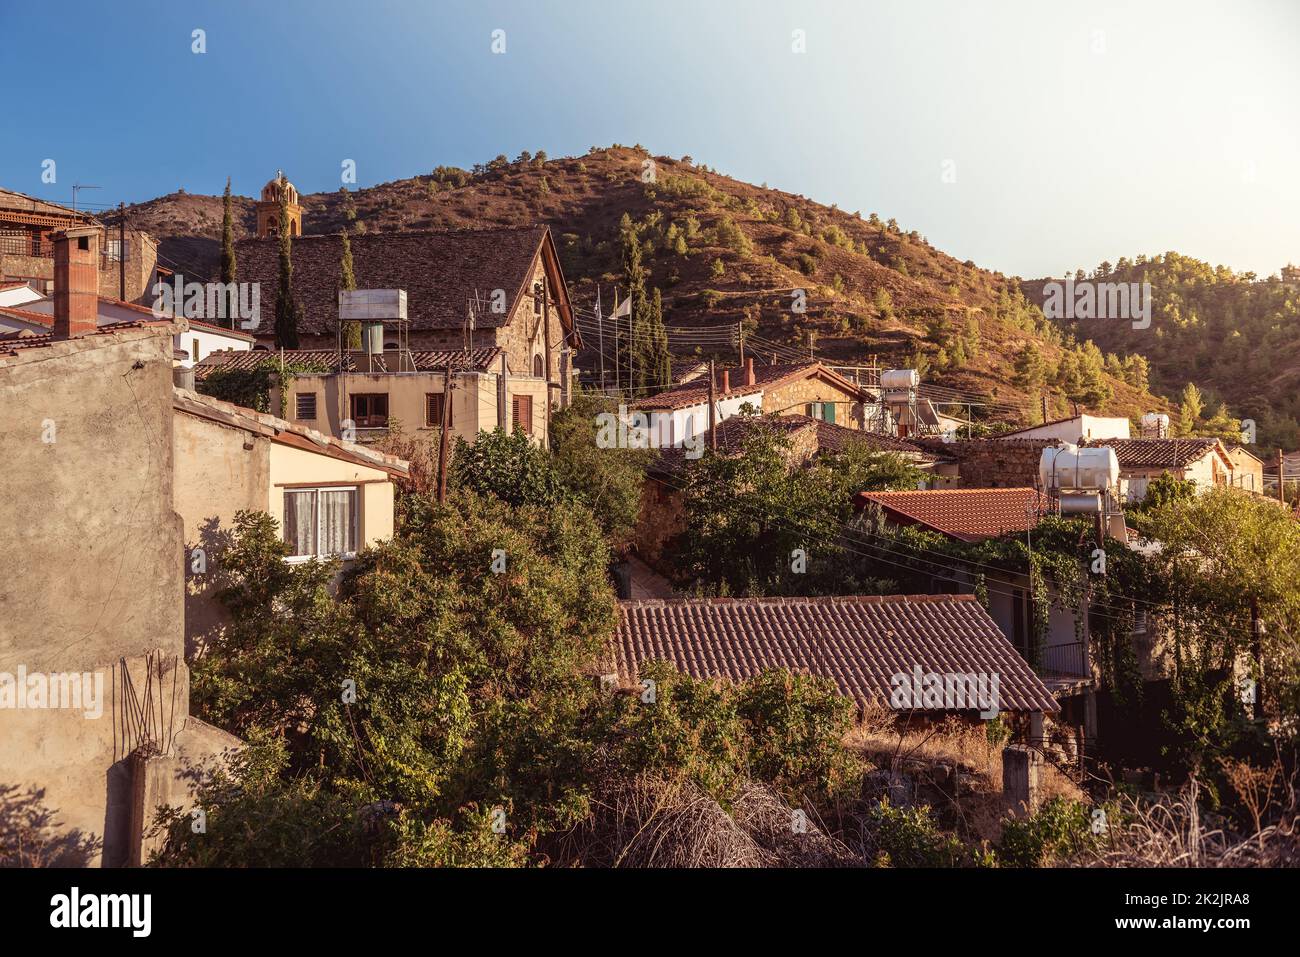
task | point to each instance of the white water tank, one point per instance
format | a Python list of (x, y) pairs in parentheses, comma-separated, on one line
[(1155, 425), (899, 379), (1070, 467)]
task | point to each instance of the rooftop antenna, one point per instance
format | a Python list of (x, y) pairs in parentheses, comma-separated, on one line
[(75, 188)]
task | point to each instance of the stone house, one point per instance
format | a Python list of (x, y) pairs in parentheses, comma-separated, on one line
[(127, 266), (811, 389), (508, 279)]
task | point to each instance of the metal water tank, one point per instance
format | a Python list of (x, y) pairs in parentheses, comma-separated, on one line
[(899, 379), (1070, 467)]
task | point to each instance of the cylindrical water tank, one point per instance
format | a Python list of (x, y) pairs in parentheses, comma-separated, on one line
[(373, 337), (1070, 467), (1080, 503), (1152, 420), (899, 379)]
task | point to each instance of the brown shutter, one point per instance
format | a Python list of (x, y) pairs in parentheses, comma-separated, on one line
[(433, 410), (523, 413)]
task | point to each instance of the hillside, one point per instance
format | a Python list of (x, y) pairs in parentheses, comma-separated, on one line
[(724, 251), (1234, 336)]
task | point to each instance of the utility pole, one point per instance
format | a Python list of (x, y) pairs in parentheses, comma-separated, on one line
[(713, 432), (1281, 485), (740, 335), (600, 339), (1043, 402), (1257, 654), (446, 427), (121, 252), (617, 363)]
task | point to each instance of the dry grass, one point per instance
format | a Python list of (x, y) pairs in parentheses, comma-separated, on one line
[(657, 822), (950, 765)]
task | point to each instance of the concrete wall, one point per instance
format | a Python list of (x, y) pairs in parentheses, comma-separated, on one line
[(90, 572), (1086, 427)]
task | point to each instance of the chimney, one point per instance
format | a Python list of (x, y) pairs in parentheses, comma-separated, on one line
[(749, 371), (726, 381), (76, 281)]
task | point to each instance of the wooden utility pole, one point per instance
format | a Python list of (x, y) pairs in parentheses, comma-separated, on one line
[(446, 427), (1043, 402), (1281, 484), (121, 255), (600, 339), (713, 432)]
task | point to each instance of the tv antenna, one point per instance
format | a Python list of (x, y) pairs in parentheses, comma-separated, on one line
[(75, 188)]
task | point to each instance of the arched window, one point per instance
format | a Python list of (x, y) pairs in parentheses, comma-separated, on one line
[(538, 369)]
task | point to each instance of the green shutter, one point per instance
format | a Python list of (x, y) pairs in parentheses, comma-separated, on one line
[(828, 411)]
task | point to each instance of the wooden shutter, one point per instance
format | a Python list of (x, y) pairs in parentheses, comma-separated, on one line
[(828, 411), (522, 417), (306, 406), (433, 410)]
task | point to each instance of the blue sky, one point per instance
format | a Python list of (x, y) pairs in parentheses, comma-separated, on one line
[(1077, 132)]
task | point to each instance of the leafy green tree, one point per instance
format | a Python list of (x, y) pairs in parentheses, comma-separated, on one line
[(509, 467), (1029, 367), (607, 480)]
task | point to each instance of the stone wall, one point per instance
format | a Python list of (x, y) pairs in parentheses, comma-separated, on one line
[(992, 463)]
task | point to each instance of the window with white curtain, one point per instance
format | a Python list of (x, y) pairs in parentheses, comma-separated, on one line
[(321, 522)]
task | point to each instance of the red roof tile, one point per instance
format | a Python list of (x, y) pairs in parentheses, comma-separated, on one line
[(967, 514), (860, 642), (1157, 453), (327, 360)]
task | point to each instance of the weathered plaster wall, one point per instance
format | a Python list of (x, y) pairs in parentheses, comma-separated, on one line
[(90, 569)]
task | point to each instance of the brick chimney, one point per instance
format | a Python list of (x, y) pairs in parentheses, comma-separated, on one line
[(76, 281), (726, 381), (749, 371)]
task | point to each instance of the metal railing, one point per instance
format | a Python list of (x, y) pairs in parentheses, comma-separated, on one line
[(1070, 659)]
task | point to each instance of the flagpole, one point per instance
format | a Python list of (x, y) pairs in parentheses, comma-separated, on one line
[(600, 343), (617, 363)]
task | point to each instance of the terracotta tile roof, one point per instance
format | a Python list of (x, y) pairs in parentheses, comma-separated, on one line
[(696, 391), (327, 360), (967, 514), (828, 437), (10, 345), (858, 641), (285, 433), (1157, 453), (439, 269)]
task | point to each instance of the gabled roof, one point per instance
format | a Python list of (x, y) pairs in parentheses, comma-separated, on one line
[(1159, 453), (766, 377), (327, 360), (966, 514), (825, 437), (284, 433), (860, 642), (441, 270), (29, 207)]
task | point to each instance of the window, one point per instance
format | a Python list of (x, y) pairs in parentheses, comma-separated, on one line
[(306, 405), (539, 294), (821, 410), (433, 410), (370, 410), (321, 521), (522, 418), (115, 250), (539, 368)]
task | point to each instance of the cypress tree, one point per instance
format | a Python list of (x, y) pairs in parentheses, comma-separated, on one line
[(347, 280), (660, 368), (227, 244), (287, 310)]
